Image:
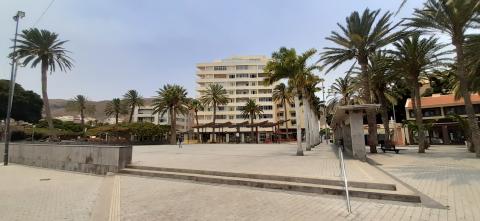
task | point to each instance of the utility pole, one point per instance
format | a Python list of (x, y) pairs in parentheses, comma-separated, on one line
[(16, 18), (323, 120)]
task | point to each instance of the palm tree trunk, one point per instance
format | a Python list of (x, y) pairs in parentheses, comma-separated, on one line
[(46, 103), (198, 129), (384, 113), (82, 118), (173, 124), (461, 74), (306, 110), (299, 129), (251, 128), (285, 115), (371, 113), (116, 118), (214, 116), (131, 114), (419, 119)]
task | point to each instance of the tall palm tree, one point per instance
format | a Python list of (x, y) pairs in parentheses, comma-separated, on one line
[(414, 56), (116, 108), (132, 99), (382, 77), (80, 104), (171, 99), (286, 64), (284, 96), (251, 110), (310, 89), (45, 48), (343, 86), (195, 105), (362, 35), (213, 96), (453, 17)]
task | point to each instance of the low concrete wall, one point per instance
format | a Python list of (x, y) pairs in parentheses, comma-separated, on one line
[(81, 158)]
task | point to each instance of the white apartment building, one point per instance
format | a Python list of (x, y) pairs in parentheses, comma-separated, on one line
[(145, 114), (242, 77)]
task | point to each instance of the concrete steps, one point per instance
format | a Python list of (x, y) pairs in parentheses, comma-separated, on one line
[(299, 184)]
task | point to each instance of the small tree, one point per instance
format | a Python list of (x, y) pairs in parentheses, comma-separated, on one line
[(171, 99), (214, 95), (251, 110), (132, 99), (115, 108), (81, 105)]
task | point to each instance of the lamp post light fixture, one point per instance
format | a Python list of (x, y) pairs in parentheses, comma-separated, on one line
[(16, 18)]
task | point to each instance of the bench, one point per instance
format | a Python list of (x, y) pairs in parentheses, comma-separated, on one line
[(391, 147)]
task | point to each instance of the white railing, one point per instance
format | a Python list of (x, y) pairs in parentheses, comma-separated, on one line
[(344, 175)]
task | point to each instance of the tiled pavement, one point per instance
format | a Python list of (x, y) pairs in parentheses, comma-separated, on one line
[(446, 174), (29, 193)]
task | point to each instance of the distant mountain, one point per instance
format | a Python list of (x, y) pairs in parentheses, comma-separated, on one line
[(57, 107)]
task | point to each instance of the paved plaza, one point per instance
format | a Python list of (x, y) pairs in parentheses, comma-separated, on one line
[(446, 174)]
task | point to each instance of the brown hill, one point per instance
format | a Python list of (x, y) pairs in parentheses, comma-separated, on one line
[(57, 107)]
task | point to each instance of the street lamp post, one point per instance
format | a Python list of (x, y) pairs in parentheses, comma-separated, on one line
[(16, 18)]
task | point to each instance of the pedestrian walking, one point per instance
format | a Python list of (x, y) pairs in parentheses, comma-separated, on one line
[(180, 140)]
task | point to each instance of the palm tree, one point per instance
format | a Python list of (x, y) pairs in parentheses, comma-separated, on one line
[(132, 99), (115, 108), (310, 89), (195, 105), (382, 77), (213, 96), (45, 48), (284, 96), (342, 86), (453, 17), (286, 64), (80, 104), (251, 110), (171, 99), (362, 36), (415, 56)]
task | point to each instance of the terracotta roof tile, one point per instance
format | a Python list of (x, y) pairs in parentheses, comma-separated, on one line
[(442, 101)]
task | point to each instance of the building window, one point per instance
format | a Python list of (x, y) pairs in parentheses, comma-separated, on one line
[(293, 114), (221, 108), (253, 76), (239, 116), (476, 107), (221, 117), (294, 122), (231, 76), (280, 114), (242, 75), (241, 67), (431, 112), (460, 110), (265, 99), (261, 75), (254, 92), (220, 68), (292, 105), (261, 67), (264, 91), (267, 107), (279, 105), (265, 116), (231, 117)]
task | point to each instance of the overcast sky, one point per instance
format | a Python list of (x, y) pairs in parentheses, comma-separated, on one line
[(119, 45)]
